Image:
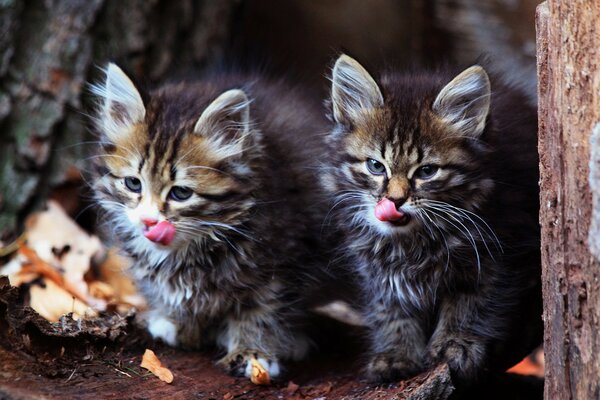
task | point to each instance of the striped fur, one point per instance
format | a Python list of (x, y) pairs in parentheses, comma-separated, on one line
[(454, 282), (241, 264)]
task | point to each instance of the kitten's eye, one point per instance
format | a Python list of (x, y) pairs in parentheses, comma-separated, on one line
[(375, 167), (133, 184), (180, 193), (426, 171)]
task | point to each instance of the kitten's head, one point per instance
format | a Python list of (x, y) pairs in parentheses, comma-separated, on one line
[(406, 148), (176, 167)]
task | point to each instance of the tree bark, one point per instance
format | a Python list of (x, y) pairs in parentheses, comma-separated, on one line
[(569, 98), (50, 49)]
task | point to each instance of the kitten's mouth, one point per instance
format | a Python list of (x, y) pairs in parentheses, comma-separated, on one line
[(386, 211), (161, 233), (402, 221)]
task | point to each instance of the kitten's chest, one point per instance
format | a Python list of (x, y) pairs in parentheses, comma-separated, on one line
[(412, 281), (184, 292)]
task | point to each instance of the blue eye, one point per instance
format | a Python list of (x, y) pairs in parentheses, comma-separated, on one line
[(180, 193), (375, 167), (134, 184), (426, 171)]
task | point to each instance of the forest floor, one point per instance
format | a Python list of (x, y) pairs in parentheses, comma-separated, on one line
[(68, 331), (101, 359)]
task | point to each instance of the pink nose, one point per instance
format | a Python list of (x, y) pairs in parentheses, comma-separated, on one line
[(149, 222)]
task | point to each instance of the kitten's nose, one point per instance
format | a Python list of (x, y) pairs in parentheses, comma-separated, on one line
[(149, 222), (398, 202)]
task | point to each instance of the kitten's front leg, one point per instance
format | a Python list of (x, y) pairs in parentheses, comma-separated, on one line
[(258, 334), (454, 340), (160, 326), (186, 331), (397, 343)]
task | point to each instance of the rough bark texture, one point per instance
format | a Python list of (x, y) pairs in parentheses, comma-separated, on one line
[(49, 50), (569, 95), (594, 235)]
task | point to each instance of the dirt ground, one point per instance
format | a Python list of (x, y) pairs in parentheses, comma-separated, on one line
[(101, 360)]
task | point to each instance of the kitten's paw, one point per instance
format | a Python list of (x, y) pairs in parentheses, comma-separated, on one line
[(388, 368), (462, 354), (237, 363), (164, 329)]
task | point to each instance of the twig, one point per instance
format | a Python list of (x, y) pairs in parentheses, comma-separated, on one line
[(14, 246), (123, 372), (71, 376)]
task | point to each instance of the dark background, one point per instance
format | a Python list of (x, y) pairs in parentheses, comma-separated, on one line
[(50, 50)]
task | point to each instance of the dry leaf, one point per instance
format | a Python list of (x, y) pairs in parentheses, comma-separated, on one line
[(153, 364), (35, 264), (112, 271), (59, 241), (292, 387), (52, 301), (60, 252), (101, 290), (530, 365), (259, 375)]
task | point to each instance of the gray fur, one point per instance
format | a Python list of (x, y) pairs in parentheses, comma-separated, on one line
[(459, 282)]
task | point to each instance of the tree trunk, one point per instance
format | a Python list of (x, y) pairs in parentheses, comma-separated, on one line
[(569, 99), (50, 49)]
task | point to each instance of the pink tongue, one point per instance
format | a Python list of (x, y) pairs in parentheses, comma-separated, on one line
[(162, 233), (386, 210)]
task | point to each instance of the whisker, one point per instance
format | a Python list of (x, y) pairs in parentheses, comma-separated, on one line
[(424, 212), (466, 213), (466, 232)]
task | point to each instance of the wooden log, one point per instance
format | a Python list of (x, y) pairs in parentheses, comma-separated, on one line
[(594, 234), (568, 40)]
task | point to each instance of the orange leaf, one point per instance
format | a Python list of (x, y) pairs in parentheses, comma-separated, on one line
[(153, 364), (41, 267), (259, 375)]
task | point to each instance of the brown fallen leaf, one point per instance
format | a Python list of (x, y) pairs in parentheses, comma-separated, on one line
[(59, 241), (36, 265), (318, 390), (292, 387), (52, 302), (259, 375), (101, 290), (153, 364), (113, 271)]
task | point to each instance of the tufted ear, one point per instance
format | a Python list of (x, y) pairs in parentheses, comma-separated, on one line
[(464, 103), (226, 121), (353, 91), (121, 103)]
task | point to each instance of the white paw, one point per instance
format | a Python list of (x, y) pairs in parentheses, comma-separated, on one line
[(272, 367), (162, 328)]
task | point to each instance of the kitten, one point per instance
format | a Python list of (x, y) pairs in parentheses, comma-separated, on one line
[(434, 179), (204, 187)]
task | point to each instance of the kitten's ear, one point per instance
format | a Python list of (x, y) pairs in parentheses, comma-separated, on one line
[(464, 103), (122, 104), (226, 118), (353, 91)]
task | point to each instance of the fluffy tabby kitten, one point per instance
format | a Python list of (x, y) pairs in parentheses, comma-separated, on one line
[(204, 189), (434, 178)]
